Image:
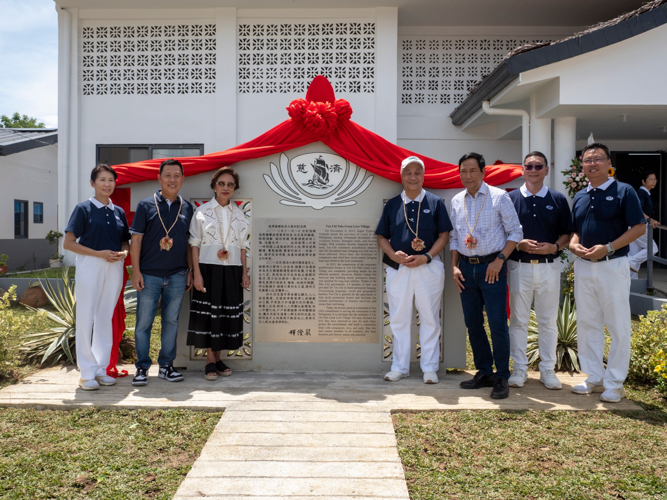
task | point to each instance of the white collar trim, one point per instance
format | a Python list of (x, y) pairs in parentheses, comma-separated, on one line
[(420, 197), (99, 204), (645, 189), (603, 187), (541, 193)]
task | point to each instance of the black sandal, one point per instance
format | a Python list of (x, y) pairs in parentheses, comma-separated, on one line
[(210, 372), (222, 369)]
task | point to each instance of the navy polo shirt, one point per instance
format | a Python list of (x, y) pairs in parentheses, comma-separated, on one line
[(99, 227), (645, 201), (154, 261), (600, 215), (544, 217), (433, 220)]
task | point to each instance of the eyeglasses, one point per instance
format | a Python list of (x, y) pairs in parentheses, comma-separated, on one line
[(230, 185), (537, 167), (590, 161)]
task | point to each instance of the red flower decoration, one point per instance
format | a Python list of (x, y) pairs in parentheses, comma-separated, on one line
[(499, 162), (322, 118)]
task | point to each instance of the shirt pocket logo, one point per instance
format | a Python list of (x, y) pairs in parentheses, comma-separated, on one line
[(609, 198), (427, 211), (549, 207)]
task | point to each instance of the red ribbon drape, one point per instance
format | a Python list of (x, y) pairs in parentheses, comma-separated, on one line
[(120, 197), (321, 117)]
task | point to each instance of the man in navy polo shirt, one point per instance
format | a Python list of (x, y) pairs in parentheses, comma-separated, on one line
[(602, 214), (161, 268), (413, 230), (534, 269)]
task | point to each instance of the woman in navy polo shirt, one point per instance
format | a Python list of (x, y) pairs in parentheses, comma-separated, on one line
[(103, 243), (638, 251)]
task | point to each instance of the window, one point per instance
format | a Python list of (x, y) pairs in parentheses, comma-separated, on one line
[(116, 155), (20, 219), (38, 212)]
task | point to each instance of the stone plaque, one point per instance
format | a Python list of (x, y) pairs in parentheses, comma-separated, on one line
[(316, 281)]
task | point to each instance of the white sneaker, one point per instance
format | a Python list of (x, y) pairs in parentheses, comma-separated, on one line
[(430, 378), (587, 388), (518, 378), (394, 376), (549, 379), (88, 385), (105, 380), (613, 395)]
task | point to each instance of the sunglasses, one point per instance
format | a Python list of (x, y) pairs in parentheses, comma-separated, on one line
[(537, 167)]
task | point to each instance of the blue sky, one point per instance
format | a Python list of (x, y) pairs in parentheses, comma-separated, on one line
[(29, 59)]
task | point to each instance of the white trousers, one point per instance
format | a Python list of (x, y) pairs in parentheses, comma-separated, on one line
[(98, 285), (538, 284), (638, 252), (602, 294), (424, 284)]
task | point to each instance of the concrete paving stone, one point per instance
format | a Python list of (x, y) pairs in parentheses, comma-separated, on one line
[(300, 440), (256, 468), (299, 454), (312, 406), (234, 427), (299, 416), (393, 488)]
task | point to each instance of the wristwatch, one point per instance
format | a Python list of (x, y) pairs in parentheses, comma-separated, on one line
[(189, 270), (502, 257), (428, 258), (610, 249)]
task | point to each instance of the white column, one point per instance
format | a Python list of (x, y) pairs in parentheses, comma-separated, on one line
[(226, 70), (386, 79), (565, 147), (540, 133)]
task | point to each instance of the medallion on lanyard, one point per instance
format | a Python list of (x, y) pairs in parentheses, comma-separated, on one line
[(223, 254), (166, 243), (470, 240), (417, 244)]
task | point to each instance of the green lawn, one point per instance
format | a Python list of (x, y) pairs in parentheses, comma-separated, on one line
[(107, 454), (50, 273)]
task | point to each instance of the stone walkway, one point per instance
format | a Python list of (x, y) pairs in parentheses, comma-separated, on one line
[(296, 435)]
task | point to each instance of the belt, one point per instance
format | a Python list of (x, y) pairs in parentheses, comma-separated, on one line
[(480, 260), (607, 257), (536, 260)]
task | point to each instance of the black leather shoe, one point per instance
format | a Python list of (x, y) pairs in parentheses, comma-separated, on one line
[(501, 389), (478, 381)]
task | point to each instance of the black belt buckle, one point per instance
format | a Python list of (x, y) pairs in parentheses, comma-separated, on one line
[(474, 260)]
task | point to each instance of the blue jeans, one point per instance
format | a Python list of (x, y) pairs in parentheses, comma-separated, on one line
[(479, 294), (171, 289)]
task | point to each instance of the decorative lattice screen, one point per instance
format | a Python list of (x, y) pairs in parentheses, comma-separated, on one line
[(285, 57), (148, 59), (443, 69)]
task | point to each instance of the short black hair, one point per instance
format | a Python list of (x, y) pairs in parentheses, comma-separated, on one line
[(99, 168), (597, 145), (474, 156), (171, 162), (646, 174), (537, 153)]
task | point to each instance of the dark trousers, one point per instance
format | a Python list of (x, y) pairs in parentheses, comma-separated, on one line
[(479, 295)]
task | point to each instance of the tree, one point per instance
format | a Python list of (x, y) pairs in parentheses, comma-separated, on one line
[(18, 121)]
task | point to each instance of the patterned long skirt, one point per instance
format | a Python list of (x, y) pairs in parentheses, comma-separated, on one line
[(216, 317)]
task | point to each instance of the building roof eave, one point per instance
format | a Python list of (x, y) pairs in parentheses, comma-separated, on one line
[(574, 46)]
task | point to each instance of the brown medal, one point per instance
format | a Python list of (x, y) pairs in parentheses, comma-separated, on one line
[(166, 243), (418, 245), (223, 255)]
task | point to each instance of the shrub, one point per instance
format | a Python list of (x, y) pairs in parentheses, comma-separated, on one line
[(566, 347), (659, 361), (567, 283), (648, 338), (11, 324)]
